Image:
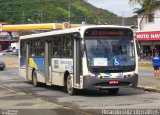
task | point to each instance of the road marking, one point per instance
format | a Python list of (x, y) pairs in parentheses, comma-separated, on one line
[(9, 62), (42, 100)]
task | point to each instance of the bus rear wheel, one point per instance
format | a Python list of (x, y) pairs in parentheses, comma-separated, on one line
[(34, 79), (113, 91), (70, 89)]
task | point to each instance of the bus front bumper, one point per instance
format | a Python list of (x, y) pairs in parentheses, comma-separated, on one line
[(102, 84)]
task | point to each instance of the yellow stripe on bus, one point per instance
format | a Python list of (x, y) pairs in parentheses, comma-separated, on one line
[(32, 63)]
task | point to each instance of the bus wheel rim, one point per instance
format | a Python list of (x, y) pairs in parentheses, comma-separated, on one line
[(34, 79), (69, 84)]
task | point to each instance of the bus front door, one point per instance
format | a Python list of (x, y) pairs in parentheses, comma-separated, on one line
[(76, 62), (47, 63)]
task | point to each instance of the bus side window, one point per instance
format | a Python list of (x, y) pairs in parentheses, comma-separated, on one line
[(42, 53), (32, 48), (56, 46), (23, 48)]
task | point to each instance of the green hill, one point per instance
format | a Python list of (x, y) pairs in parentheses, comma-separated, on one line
[(48, 11)]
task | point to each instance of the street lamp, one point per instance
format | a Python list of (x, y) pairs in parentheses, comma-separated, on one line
[(38, 21), (29, 20), (99, 23)]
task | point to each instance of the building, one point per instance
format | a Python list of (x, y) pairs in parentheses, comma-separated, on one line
[(6, 38), (148, 34)]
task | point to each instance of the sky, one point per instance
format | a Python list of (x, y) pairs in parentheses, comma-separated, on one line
[(119, 7)]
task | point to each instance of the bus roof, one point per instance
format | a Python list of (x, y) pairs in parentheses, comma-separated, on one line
[(70, 30)]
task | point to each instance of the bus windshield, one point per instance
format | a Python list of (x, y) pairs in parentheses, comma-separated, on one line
[(110, 52)]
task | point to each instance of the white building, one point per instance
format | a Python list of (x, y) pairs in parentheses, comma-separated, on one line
[(148, 34)]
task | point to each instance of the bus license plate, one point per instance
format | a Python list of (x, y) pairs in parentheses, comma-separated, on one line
[(113, 82)]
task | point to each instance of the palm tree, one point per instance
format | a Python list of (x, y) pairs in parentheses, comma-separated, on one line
[(147, 5)]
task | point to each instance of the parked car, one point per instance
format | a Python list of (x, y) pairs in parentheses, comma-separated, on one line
[(15, 52), (2, 65), (8, 51), (2, 53), (5, 52)]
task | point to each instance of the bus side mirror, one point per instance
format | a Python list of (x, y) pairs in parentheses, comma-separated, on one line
[(76, 36)]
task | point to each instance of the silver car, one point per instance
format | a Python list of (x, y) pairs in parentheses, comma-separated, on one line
[(2, 65)]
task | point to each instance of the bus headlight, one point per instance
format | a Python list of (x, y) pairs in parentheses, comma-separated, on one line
[(128, 75)]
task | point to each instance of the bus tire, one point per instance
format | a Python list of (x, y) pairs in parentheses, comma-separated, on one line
[(70, 89), (34, 79), (113, 91)]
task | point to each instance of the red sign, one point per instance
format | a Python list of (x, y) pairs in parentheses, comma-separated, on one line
[(107, 33), (145, 36)]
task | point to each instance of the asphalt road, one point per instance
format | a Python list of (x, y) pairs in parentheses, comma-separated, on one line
[(93, 102)]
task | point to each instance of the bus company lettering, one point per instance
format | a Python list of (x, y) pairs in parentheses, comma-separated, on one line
[(67, 62)]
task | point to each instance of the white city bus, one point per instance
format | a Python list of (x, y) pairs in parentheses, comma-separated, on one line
[(90, 57)]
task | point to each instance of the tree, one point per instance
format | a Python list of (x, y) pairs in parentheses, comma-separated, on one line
[(147, 5)]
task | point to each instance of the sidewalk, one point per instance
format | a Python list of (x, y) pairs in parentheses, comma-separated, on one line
[(148, 83)]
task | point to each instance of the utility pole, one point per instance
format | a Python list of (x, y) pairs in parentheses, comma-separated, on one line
[(23, 15), (69, 12), (123, 18), (41, 16)]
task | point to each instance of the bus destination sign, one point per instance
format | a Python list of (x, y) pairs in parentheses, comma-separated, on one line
[(108, 32)]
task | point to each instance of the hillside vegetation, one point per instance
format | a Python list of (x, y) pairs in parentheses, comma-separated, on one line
[(49, 11)]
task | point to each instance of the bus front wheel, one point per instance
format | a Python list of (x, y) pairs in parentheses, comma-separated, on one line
[(70, 89), (34, 79)]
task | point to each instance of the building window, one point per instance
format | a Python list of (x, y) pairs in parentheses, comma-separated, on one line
[(151, 18)]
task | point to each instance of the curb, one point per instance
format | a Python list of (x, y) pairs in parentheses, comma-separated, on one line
[(150, 89)]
